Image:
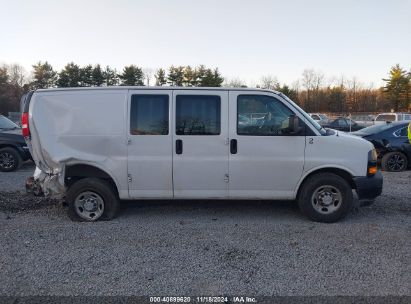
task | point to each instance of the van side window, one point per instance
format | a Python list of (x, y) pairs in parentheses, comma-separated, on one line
[(149, 115), (262, 115), (198, 115)]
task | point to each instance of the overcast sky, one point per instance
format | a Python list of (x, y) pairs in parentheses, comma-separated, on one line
[(244, 39)]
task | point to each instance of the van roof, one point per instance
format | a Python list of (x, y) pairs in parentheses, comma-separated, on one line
[(154, 88)]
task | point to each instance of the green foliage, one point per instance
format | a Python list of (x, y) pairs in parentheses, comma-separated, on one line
[(160, 77), (176, 76), (43, 76), (132, 76), (97, 76), (69, 76), (289, 92), (189, 77), (86, 76), (110, 77), (397, 88)]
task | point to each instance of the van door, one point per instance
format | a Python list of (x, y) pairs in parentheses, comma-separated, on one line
[(266, 161), (200, 148), (149, 146)]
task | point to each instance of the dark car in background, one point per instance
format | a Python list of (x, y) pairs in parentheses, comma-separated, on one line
[(391, 142), (343, 124), (13, 148)]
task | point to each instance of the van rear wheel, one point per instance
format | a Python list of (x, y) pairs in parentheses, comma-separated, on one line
[(92, 199), (325, 197)]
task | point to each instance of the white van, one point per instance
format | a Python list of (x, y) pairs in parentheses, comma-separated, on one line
[(96, 146), (392, 117)]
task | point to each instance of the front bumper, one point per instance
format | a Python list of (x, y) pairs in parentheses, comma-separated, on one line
[(369, 187)]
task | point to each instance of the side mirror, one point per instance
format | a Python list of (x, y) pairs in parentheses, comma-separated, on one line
[(294, 124)]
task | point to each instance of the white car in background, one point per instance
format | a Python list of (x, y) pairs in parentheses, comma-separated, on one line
[(392, 117), (320, 118)]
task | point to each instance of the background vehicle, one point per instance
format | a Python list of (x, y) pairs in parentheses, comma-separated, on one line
[(320, 118), (391, 142), (365, 120), (13, 148), (191, 143), (383, 117), (343, 124)]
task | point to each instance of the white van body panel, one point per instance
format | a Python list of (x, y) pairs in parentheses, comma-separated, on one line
[(200, 171), (80, 127), (264, 166), (150, 158)]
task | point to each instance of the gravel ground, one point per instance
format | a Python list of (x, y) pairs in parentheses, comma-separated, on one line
[(204, 248)]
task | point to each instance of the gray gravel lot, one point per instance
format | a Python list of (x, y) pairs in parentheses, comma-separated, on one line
[(204, 247)]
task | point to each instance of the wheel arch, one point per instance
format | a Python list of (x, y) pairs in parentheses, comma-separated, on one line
[(342, 172), (76, 171)]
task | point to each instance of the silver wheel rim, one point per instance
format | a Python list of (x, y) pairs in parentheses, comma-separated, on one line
[(326, 199), (6, 160), (396, 163), (89, 205)]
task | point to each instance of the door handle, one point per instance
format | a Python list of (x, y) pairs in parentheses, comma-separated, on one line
[(179, 146), (233, 146)]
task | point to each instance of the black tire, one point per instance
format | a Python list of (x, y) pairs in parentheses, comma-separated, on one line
[(101, 189), (331, 183), (394, 162), (10, 159)]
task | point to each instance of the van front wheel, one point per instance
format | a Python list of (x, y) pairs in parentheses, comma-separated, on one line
[(325, 197), (92, 199)]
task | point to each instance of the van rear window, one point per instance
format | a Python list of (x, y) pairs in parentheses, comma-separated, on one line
[(149, 114)]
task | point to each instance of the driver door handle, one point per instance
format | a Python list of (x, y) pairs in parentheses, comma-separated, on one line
[(233, 146)]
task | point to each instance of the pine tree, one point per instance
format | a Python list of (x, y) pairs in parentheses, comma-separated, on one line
[(86, 76), (397, 87), (176, 76), (132, 76), (110, 77), (43, 76), (218, 79), (69, 76), (160, 77), (189, 78), (201, 72), (97, 76)]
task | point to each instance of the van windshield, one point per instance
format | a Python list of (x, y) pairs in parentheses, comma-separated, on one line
[(307, 117)]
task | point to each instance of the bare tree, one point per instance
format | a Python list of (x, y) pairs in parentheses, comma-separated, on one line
[(148, 74), (235, 83), (269, 82), (17, 75)]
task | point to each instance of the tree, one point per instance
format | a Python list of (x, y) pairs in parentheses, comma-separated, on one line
[(397, 87), (286, 90), (218, 79), (176, 76), (132, 75), (43, 76), (148, 74), (97, 76), (16, 75), (69, 76), (235, 83), (189, 77), (160, 77), (86, 76), (269, 82), (110, 77)]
